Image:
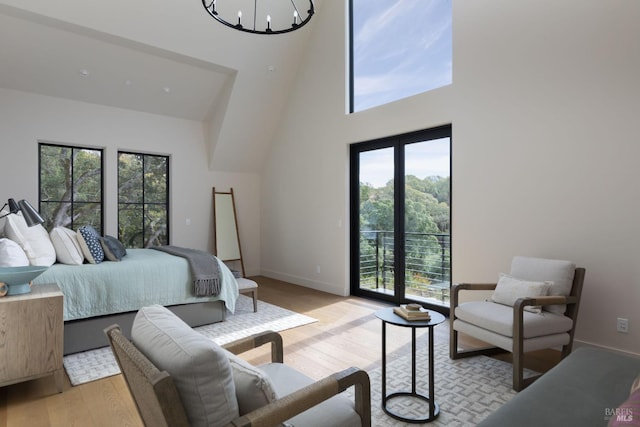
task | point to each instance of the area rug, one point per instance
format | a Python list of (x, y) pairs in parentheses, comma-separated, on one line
[(467, 390), (100, 363)]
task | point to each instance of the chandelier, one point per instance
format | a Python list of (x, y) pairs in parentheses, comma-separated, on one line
[(260, 17)]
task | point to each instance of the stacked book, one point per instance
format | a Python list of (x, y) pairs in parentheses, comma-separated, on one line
[(412, 312)]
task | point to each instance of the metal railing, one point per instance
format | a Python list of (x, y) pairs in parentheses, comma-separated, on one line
[(427, 264)]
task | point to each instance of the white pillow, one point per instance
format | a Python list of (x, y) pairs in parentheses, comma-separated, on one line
[(509, 289), (253, 387), (199, 367), (559, 272), (65, 242), (34, 240), (11, 254)]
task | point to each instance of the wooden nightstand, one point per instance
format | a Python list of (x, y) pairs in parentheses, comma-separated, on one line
[(31, 335)]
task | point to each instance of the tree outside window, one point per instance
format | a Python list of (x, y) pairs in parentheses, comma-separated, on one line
[(143, 199), (71, 182)]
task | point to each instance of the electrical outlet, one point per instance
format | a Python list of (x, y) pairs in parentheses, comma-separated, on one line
[(317, 269), (623, 325)]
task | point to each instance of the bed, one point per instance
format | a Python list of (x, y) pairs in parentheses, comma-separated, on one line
[(98, 295)]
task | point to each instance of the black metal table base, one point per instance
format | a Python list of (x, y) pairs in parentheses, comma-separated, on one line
[(431, 417), (433, 410)]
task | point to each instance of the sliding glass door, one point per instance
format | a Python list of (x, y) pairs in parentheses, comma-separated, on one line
[(400, 218)]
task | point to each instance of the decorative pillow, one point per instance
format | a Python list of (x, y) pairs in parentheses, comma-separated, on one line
[(113, 249), (65, 242), (11, 254), (509, 289), (253, 387), (628, 413), (34, 241), (558, 272), (89, 240), (199, 367)]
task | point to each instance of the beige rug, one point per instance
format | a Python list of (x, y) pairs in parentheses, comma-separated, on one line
[(467, 390)]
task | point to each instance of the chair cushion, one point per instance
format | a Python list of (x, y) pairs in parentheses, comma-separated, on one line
[(336, 411), (546, 270), (199, 367), (253, 386), (499, 319), (509, 289)]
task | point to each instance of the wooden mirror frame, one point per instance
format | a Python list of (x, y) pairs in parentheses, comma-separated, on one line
[(226, 241)]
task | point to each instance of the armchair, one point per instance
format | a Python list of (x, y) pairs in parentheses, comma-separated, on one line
[(201, 383), (533, 308)]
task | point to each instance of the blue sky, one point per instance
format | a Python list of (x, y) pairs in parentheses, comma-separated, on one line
[(401, 48), (422, 159)]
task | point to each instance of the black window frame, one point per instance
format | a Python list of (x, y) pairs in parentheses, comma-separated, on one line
[(167, 203), (398, 143), (75, 222)]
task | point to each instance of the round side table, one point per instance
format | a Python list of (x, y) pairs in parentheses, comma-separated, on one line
[(389, 317)]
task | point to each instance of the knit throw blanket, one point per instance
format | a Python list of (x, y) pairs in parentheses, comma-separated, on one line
[(204, 269)]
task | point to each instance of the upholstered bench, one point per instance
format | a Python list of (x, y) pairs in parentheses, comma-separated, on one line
[(590, 387), (246, 286)]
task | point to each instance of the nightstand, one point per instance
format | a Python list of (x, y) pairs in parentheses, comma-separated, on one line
[(31, 335)]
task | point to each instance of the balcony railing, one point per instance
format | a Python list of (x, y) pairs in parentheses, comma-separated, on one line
[(427, 264)]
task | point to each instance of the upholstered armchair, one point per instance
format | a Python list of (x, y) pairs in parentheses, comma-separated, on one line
[(534, 307), (178, 377)]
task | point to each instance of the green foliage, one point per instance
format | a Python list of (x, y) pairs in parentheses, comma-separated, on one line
[(71, 193), (143, 200), (427, 243), (70, 186)]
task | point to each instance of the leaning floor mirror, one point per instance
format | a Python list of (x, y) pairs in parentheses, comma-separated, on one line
[(226, 242)]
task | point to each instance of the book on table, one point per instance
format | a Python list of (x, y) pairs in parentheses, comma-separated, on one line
[(412, 313)]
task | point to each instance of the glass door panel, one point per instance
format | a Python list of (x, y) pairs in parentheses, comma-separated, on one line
[(376, 209), (400, 218), (427, 221)]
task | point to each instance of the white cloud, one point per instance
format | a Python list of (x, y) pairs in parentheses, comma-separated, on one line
[(401, 48)]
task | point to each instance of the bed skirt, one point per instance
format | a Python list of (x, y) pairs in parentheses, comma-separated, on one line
[(87, 334)]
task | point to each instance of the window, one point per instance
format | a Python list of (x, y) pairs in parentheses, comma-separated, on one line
[(398, 49), (70, 186), (143, 199), (400, 218)]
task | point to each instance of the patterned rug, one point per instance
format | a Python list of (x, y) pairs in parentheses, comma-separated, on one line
[(467, 390), (96, 364)]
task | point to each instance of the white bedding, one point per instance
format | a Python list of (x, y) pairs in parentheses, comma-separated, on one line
[(143, 277)]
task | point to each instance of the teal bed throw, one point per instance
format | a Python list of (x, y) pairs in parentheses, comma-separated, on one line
[(143, 277)]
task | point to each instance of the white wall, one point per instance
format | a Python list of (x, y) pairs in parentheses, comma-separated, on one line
[(544, 108), (27, 118)]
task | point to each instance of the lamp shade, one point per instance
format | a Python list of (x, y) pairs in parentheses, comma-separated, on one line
[(30, 214), (13, 206)]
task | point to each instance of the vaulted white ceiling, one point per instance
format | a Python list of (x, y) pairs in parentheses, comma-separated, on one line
[(168, 57)]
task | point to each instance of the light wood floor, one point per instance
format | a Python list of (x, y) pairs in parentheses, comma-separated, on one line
[(347, 334)]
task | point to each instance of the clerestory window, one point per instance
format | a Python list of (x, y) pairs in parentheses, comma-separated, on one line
[(398, 49)]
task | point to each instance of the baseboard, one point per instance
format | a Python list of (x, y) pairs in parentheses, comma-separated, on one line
[(577, 344), (331, 288)]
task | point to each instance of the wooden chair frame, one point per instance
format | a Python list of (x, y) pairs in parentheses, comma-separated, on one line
[(159, 404), (519, 382)]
